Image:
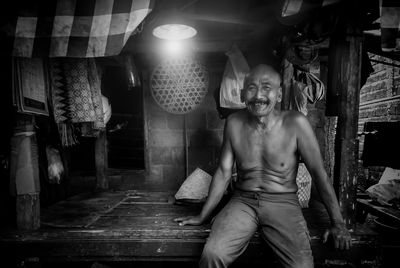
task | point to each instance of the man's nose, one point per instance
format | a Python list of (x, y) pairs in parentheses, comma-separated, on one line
[(258, 93)]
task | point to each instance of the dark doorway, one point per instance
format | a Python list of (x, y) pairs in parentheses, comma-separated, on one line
[(125, 128)]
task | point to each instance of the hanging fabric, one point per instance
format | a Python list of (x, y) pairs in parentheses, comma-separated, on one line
[(76, 98), (84, 95), (298, 100), (306, 88), (70, 28)]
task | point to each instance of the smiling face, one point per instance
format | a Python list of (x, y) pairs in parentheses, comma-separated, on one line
[(262, 90)]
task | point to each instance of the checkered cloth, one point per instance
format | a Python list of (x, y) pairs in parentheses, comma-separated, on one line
[(73, 28), (390, 25)]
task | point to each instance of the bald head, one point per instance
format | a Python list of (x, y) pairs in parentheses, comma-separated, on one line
[(263, 70)]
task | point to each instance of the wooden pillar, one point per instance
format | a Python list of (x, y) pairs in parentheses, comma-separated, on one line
[(28, 211), (287, 74), (24, 173), (347, 51), (101, 161)]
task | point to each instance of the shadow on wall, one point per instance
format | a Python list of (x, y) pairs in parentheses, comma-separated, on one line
[(204, 149)]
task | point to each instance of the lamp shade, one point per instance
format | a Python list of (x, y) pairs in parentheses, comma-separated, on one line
[(174, 26), (174, 32)]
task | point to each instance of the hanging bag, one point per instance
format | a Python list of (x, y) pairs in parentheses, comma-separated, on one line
[(232, 82)]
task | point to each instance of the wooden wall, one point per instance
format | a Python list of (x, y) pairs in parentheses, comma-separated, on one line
[(379, 102), (166, 138)]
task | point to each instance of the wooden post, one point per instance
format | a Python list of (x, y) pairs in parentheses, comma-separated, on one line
[(287, 69), (186, 152), (24, 173), (348, 53), (101, 159), (28, 211)]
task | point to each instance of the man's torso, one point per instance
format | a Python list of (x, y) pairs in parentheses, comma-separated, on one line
[(266, 160)]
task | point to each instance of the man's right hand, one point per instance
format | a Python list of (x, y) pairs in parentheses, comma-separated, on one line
[(189, 220)]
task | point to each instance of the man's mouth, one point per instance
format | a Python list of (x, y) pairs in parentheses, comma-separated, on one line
[(259, 103)]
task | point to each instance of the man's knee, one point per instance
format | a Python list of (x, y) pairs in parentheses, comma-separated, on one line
[(213, 250), (214, 253), (302, 262)]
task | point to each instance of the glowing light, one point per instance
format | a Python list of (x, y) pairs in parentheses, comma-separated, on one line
[(173, 47), (174, 32)]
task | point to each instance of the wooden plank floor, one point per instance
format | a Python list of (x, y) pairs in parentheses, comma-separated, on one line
[(139, 226)]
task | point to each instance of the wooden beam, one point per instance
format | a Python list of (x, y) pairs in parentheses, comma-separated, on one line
[(348, 53), (101, 159)]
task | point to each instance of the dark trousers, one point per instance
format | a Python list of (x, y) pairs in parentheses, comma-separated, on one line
[(281, 223)]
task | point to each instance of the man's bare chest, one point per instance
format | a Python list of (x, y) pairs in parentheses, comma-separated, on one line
[(273, 148)]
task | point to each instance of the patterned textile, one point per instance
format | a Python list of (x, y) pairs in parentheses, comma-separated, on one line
[(71, 28), (60, 104), (30, 86), (83, 86), (390, 25), (76, 97), (59, 94)]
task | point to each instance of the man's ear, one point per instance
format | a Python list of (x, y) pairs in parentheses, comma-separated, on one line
[(279, 98), (242, 95)]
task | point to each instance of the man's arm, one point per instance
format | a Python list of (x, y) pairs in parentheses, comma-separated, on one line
[(311, 155), (219, 182)]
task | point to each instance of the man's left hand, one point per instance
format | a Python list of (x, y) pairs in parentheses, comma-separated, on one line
[(341, 236)]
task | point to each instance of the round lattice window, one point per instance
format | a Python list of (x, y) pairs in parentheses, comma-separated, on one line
[(179, 85)]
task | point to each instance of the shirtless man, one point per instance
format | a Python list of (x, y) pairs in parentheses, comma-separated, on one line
[(266, 144)]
